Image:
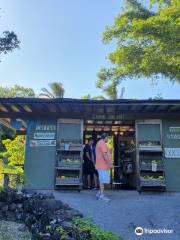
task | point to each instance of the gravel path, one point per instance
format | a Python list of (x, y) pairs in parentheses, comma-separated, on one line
[(129, 209), (13, 231)]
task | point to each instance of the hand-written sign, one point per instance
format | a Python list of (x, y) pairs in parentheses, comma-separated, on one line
[(172, 152), (174, 129), (174, 133), (108, 117), (42, 143), (44, 135), (45, 127)]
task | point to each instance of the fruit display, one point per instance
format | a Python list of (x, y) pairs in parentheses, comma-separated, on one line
[(69, 159), (68, 166), (70, 179), (148, 164), (153, 177)]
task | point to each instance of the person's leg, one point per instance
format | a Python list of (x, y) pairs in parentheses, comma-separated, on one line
[(89, 181), (95, 180), (84, 180), (103, 179), (101, 189)]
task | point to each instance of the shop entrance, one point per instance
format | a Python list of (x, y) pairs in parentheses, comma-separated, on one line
[(122, 143)]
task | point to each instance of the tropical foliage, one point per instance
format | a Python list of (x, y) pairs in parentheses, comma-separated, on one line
[(85, 229), (8, 42), (109, 91), (147, 43), (88, 96), (12, 159), (56, 91), (16, 91)]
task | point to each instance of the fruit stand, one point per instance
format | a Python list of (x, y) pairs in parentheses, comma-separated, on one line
[(150, 155), (68, 169)]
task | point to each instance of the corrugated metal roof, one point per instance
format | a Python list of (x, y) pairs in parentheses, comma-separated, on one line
[(12, 107)]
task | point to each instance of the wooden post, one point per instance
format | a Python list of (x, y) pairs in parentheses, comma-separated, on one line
[(6, 177), (6, 181)]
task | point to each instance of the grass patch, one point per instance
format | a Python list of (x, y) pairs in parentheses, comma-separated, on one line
[(85, 229)]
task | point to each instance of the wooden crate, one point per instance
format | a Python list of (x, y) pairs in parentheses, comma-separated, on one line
[(69, 181), (71, 147), (69, 165), (151, 182), (148, 166)]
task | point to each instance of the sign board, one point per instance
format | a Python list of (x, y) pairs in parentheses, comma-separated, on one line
[(174, 129), (45, 127), (174, 133), (108, 117), (42, 143), (44, 135), (173, 136), (172, 152)]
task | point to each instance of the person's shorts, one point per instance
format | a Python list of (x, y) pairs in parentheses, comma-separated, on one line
[(104, 176)]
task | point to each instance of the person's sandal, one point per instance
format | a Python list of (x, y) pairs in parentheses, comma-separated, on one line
[(103, 198)]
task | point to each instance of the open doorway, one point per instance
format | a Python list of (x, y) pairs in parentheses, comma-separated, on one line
[(122, 143)]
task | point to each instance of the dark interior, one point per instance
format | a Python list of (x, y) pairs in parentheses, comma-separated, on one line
[(123, 174)]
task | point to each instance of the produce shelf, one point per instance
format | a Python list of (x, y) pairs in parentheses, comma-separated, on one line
[(152, 182), (68, 181), (150, 149), (148, 167), (68, 168)]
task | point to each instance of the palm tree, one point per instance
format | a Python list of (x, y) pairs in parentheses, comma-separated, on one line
[(111, 92), (56, 91)]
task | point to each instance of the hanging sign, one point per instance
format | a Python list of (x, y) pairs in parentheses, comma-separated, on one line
[(44, 135), (42, 143), (172, 152), (108, 117)]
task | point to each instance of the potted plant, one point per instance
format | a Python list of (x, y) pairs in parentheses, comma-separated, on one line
[(21, 181)]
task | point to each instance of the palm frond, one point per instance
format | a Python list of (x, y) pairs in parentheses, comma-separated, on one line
[(57, 89), (47, 93)]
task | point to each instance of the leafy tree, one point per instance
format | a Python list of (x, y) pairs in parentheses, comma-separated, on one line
[(88, 96), (110, 91), (4, 134), (12, 159), (56, 91), (16, 91), (8, 42), (147, 43)]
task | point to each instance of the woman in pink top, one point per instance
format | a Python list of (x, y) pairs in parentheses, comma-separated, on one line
[(103, 164)]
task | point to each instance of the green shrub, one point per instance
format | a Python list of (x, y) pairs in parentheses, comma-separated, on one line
[(14, 155), (1, 188), (85, 229), (64, 235)]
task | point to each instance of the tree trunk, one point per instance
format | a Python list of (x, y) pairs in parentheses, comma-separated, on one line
[(6, 181)]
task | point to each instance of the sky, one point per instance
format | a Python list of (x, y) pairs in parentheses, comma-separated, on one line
[(61, 41)]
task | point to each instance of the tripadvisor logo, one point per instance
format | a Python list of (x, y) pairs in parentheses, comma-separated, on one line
[(139, 231)]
